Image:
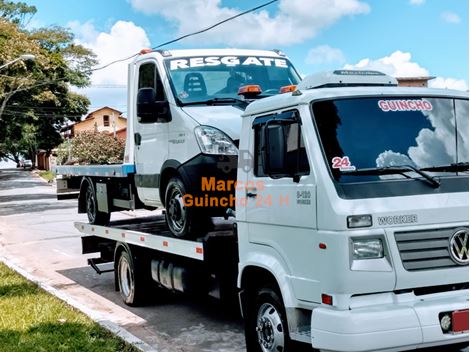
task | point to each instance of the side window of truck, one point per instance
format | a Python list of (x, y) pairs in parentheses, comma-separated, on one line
[(150, 90), (293, 161), (150, 78)]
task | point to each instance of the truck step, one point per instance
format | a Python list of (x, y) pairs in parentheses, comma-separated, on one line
[(93, 262)]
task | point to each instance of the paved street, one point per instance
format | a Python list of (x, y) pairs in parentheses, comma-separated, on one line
[(37, 233)]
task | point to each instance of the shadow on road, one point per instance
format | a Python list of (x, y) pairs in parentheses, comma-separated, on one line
[(23, 197), (20, 179), (15, 209), (165, 304)]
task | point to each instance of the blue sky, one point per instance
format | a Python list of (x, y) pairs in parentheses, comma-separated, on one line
[(400, 37)]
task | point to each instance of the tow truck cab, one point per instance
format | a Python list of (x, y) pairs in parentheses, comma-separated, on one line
[(353, 219)]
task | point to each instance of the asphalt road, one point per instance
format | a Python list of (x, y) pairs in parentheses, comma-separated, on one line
[(37, 234)]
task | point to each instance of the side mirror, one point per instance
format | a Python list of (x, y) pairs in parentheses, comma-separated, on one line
[(275, 150), (148, 109)]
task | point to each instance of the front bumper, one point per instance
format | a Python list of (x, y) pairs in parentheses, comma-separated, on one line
[(388, 327)]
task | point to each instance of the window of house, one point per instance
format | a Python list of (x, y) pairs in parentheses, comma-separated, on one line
[(106, 121)]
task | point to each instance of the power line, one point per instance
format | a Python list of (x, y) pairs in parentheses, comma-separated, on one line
[(217, 24), (190, 34), (163, 44), (154, 48)]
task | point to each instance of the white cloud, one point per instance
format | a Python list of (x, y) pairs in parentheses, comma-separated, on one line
[(398, 64), (450, 17), (85, 32), (448, 83), (435, 147), (417, 2), (124, 39), (325, 54), (294, 21)]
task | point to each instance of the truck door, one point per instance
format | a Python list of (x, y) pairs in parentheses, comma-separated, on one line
[(151, 138), (281, 194)]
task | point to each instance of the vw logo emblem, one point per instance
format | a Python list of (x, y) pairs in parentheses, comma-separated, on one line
[(459, 247)]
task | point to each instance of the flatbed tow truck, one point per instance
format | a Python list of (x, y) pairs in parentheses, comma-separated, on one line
[(351, 224)]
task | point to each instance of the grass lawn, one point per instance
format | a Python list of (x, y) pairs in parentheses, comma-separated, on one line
[(47, 175), (33, 320)]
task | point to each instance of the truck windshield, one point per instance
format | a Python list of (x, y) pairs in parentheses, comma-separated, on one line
[(380, 138), (203, 78)]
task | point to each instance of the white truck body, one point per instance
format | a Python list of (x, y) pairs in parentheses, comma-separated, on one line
[(198, 93), (351, 229), (376, 302)]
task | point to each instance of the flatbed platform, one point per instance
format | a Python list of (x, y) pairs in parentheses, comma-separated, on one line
[(112, 170), (152, 232)]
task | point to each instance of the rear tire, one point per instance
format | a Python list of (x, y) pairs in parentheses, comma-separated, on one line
[(183, 221), (95, 216), (131, 280)]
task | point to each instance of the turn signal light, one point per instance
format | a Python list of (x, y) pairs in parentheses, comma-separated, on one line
[(326, 299), (249, 89), (145, 51), (287, 89)]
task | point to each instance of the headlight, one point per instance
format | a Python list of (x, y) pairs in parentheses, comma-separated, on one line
[(213, 141), (367, 248)]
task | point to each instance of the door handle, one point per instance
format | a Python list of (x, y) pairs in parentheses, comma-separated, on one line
[(137, 138), (251, 194)]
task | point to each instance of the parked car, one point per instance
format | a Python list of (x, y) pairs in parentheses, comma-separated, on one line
[(27, 164)]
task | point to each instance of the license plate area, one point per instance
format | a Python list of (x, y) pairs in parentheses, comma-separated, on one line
[(460, 321)]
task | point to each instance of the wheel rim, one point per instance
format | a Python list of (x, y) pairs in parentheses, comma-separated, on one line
[(90, 205), (269, 329), (176, 210), (125, 278)]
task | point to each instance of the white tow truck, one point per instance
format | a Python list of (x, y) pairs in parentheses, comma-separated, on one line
[(184, 122), (351, 225)]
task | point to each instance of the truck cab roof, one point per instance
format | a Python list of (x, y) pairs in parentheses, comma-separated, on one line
[(209, 52), (305, 96)]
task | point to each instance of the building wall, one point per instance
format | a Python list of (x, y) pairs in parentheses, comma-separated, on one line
[(122, 133), (413, 81), (95, 122)]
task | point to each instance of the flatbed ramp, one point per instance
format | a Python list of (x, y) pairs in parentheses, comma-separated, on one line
[(153, 233)]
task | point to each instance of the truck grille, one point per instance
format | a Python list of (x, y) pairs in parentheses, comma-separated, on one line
[(425, 249)]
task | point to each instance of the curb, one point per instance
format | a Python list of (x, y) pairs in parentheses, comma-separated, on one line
[(106, 324), (35, 173)]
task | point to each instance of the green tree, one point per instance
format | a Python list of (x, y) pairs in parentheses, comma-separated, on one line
[(18, 13), (35, 97)]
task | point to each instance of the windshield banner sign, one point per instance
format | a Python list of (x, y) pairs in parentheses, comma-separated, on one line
[(226, 60), (405, 105)]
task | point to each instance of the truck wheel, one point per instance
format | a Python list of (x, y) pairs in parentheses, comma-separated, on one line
[(181, 220), (266, 326), (94, 216), (131, 281)]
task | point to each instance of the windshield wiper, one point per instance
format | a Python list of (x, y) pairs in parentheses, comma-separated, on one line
[(454, 167), (393, 170), (216, 101)]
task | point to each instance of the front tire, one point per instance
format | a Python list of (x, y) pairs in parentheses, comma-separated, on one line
[(182, 220), (266, 326), (95, 216)]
